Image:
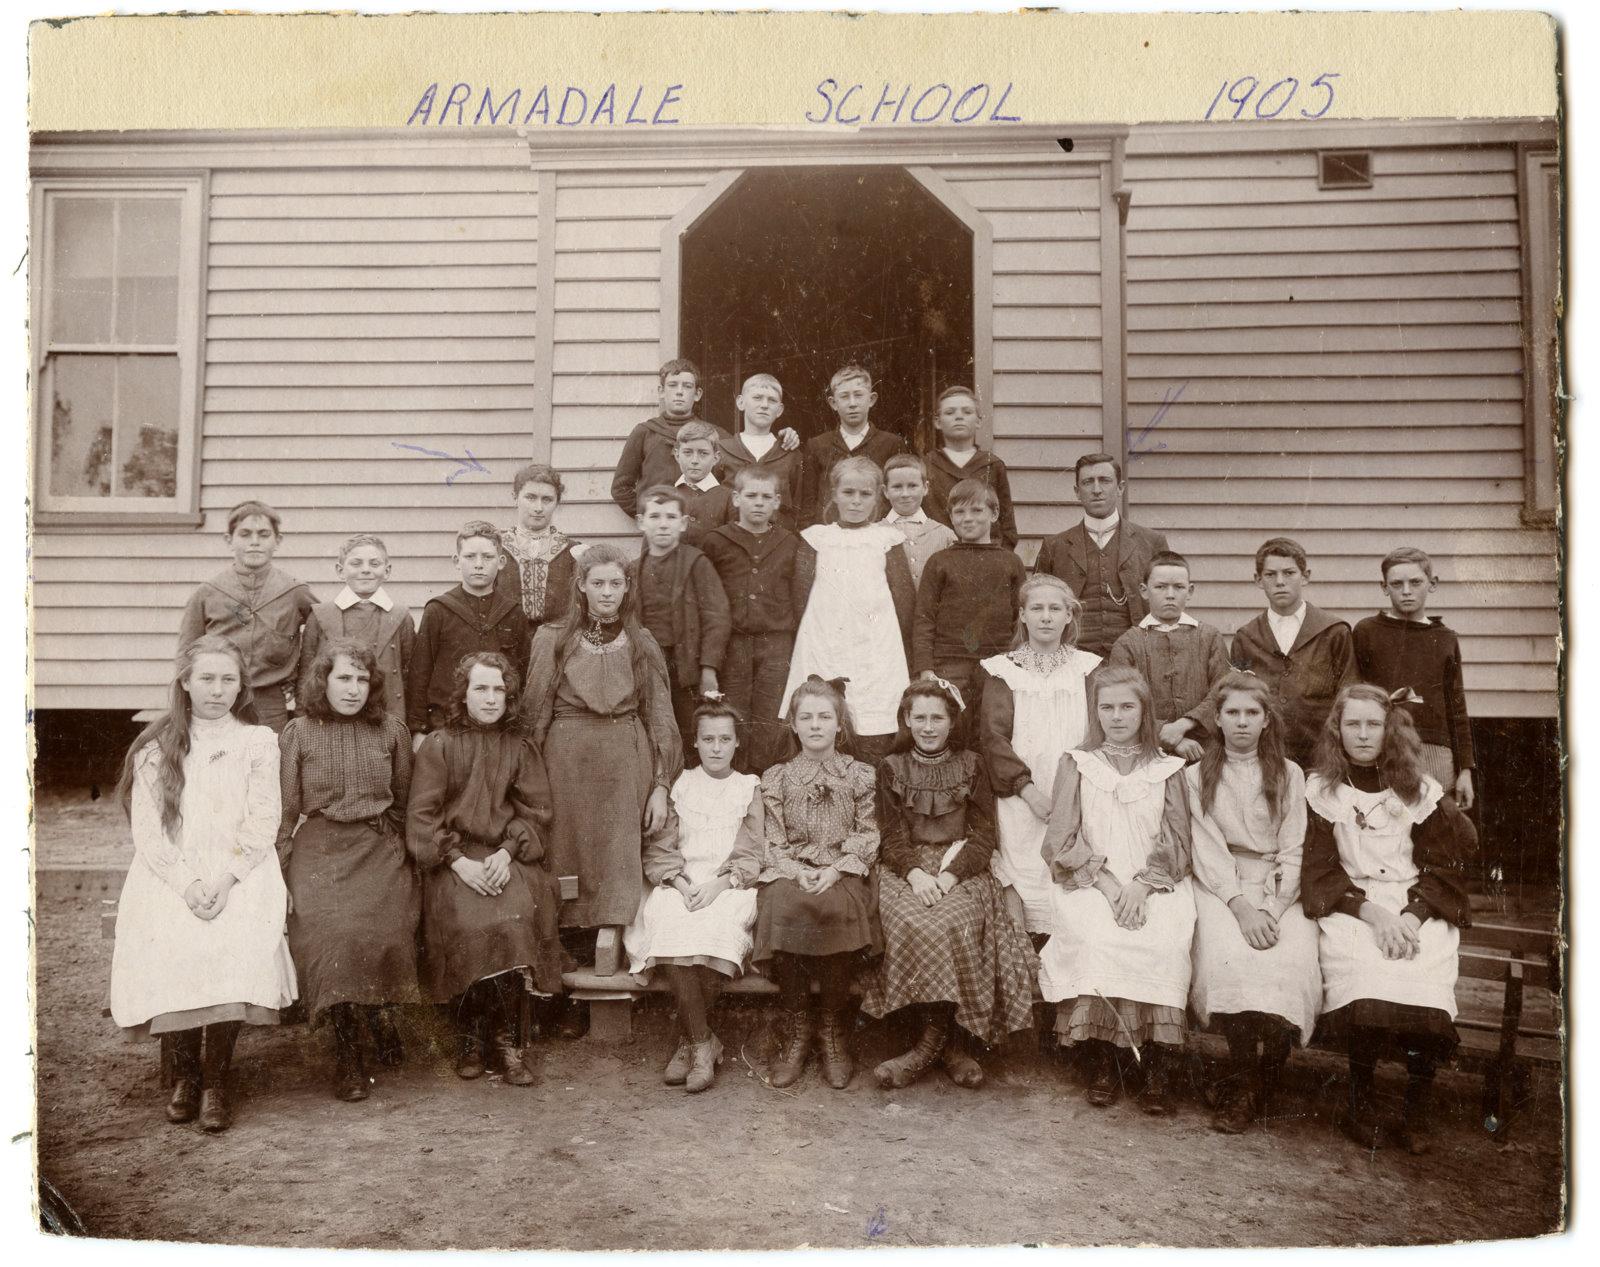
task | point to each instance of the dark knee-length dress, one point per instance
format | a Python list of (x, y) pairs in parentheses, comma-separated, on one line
[(609, 742), (818, 814), (476, 790), (964, 949), (355, 903)]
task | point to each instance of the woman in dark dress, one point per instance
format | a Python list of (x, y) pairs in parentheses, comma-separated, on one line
[(346, 766), (539, 572), (480, 805)]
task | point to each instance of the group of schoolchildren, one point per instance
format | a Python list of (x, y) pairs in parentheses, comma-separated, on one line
[(921, 775)]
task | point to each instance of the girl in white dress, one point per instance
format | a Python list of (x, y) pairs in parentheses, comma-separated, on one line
[(1384, 860), (1034, 709), (1255, 952), (857, 621), (1123, 915), (200, 943), (695, 924)]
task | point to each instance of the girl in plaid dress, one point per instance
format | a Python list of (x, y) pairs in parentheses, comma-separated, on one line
[(952, 954), (816, 912)]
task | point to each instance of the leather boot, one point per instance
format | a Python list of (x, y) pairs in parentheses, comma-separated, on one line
[(838, 1066), (513, 1067), (677, 1070), (905, 1069), (960, 1064), (1105, 1079), (216, 1114), (1160, 1067), (703, 1072), (1237, 1107), (387, 1048), (470, 1058), (184, 1106), (349, 1071), (1359, 1121), (790, 1062)]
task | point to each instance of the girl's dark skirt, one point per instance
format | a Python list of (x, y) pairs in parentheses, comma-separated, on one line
[(467, 936), (793, 922), (353, 927)]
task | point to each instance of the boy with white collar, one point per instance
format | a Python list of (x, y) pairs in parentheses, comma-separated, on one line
[(1299, 650), (1181, 658), (706, 500), (905, 483), (851, 397), (363, 612), (760, 405)]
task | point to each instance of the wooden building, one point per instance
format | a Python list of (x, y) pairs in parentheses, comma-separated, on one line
[(1339, 331)]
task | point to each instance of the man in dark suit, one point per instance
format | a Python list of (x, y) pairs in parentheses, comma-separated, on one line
[(1104, 558)]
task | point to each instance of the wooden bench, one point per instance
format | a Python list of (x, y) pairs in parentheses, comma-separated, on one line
[(1517, 959)]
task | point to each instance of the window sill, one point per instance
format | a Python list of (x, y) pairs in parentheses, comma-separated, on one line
[(117, 520)]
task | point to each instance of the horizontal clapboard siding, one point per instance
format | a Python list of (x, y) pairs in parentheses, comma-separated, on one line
[(1344, 367), (350, 310)]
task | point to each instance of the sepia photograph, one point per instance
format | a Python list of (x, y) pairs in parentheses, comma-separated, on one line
[(931, 674)]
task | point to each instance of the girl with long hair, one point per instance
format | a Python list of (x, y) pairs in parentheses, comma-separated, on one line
[(599, 706), (476, 826), (1034, 708), (1255, 952), (1384, 860), (200, 948), (354, 903), (1123, 911)]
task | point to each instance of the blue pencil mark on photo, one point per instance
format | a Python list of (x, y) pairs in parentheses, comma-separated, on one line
[(1138, 443), (468, 465)]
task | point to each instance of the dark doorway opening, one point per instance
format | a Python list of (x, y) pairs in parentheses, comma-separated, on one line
[(801, 270)]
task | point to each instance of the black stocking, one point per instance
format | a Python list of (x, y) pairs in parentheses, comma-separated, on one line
[(688, 990)]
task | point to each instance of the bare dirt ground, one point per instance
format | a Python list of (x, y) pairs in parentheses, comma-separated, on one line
[(601, 1156)]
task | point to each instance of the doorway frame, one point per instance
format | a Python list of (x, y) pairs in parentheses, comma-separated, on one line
[(721, 186)]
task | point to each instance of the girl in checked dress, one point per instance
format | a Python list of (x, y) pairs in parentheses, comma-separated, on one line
[(1384, 860), (200, 948), (952, 954), (695, 924)]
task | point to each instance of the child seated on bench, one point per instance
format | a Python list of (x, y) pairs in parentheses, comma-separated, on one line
[(695, 924), (1383, 877)]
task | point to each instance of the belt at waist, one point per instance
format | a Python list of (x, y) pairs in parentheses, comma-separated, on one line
[(573, 710), (378, 822)]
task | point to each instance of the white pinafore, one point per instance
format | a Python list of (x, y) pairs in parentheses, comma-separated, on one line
[(1050, 715), (850, 628), (709, 813), (1088, 952), (1373, 831), (167, 959)]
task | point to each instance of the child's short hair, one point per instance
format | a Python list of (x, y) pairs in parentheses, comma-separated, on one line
[(362, 539), (1284, 548), (1048, 581), (1166, 559), (832, 690), (971, 492), (1110, 675), (754, 474), (457, 713), (478, 528), (244, 510), (904, 462), (1095, 459), (678, 365), (762, 380), (695, 430), (316, 703), (1407, 554), (846, 374), (856, 465), (664, 493), (952, 391), (537, 473), (1400, 758)]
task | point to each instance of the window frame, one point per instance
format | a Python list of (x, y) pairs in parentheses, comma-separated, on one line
[(183, 509)]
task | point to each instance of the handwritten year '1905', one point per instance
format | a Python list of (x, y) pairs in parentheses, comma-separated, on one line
[(1275, 100)]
